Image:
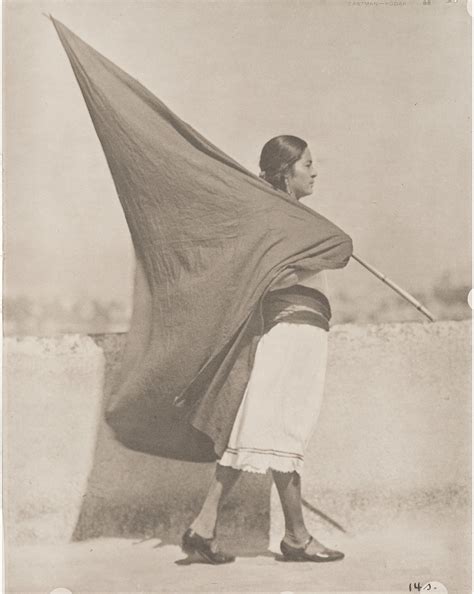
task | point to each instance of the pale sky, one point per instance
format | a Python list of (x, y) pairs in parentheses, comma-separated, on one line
[(381, 93)]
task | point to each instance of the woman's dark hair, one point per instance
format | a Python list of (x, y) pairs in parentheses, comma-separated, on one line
[(277, 158)]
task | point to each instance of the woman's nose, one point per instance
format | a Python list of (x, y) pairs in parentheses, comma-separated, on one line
[(314, 174)]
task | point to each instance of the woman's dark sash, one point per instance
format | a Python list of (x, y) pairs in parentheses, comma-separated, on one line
[(296, 305)]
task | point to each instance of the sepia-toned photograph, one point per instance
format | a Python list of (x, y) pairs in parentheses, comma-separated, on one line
[(237, 274)]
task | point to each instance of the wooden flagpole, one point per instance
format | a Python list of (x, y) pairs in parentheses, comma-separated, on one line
[(396, 288)]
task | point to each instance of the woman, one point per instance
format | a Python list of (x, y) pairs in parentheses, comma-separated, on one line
[(211, 240), (283, 396)]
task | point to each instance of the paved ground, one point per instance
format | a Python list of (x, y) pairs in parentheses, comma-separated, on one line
[(386, 559)]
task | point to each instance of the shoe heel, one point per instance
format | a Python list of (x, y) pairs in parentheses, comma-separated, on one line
[(287, 551), (187, 545), (194, 544)]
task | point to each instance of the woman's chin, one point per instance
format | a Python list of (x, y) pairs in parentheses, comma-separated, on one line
[(307, 193)]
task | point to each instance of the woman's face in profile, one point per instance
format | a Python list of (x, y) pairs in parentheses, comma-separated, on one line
[(301, 178)]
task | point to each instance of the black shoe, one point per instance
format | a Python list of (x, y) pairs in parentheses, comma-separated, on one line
[(193, 543), (299, 553)]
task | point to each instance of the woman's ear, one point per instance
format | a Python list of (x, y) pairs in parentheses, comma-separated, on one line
[(288, 187)]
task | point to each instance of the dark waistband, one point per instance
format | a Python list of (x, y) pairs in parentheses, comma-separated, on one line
[(296, 305)]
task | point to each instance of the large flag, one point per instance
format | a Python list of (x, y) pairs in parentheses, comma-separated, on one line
[(210, 240)]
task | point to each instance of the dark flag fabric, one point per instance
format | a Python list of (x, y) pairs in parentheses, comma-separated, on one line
[(210, 240)]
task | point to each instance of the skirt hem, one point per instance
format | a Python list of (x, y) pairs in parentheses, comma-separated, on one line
[(260, 464)]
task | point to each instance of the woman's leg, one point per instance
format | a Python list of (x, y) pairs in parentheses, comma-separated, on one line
[(288, 485), (222, 482)]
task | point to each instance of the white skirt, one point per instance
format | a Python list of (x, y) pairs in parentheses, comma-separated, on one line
[(282, 400)]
